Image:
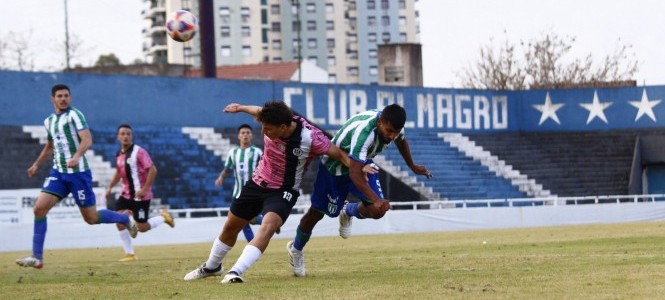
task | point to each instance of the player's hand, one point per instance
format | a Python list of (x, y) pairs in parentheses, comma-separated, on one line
[(72, 162), (218, 182), (107, 195), (421, 170), (382, 205), (140, 194), (32, 171), (232, 108), (370, 169)]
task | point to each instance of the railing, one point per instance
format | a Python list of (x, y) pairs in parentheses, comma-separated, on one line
[(453, 204)]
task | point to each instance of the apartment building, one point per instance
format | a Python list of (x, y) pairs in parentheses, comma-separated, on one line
[(339, 36)]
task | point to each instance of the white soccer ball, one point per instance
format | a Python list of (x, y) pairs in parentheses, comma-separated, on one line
[(182, 26)]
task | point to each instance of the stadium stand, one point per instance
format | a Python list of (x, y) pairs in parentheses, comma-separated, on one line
[(19, 153)]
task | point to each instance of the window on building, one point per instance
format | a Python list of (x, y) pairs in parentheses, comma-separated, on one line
[(277, 44), (224, 11), (276, 26), (385, 37), (313, 59), (371, 4), (401, 4), (274, 9), (372, 53), (246, 51), (402, 37), (385, 20), (385, 4), (352, 54), (225, 31), (331, 61), (244, 12), (277, 58), (330, 8), (296, 44), (330, 43), (310, 8), (311, 43), (295, 8), (330, 25), (402, 21), (352, 22), (371, 21), (371, 37), (373, 70), (352, 71), (246, 31), (295, 25), (226, 51), (311, 25), (352, 37), (332, 78), (352, 5)]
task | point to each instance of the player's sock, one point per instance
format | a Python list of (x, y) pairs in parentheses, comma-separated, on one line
[(301, 239), (155, 221), (352, 210), (217, 253), (249, 256), (259, 219), (247, 231), (39, 234), (126, 241), (108, 216)]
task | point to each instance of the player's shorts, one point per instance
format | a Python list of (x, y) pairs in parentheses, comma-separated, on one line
[(330, 191), (140, 209), (255, 199), (79, 184)]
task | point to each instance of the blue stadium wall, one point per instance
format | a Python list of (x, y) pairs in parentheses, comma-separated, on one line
[(168, 101)]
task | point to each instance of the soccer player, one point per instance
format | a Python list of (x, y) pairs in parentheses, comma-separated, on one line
[(363, 137), (242, 161), (68, 139), (135, 168), (290, 145)]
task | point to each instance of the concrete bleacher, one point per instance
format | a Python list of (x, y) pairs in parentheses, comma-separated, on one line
[(455, 176), (569, 163), (20, 151)]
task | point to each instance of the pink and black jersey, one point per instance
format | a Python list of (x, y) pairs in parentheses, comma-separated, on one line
[(285, 161), (133, 167)]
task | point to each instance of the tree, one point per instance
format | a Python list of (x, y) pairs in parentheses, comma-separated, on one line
[(544, 64), (109, 60), (16, 53)]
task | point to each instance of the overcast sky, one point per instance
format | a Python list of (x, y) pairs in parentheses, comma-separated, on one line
[(451, 31)]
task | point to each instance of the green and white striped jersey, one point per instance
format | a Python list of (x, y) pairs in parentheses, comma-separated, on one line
[(242, 162), (360, 138), (63, 131)]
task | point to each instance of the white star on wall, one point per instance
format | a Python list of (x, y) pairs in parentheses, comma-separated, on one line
[(548, 110), (645, 106), (596, 108)]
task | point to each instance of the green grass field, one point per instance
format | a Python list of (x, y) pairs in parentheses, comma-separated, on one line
[(618, 261)]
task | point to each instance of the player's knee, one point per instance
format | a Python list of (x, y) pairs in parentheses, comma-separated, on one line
[(375, 213), (90, 220), (143, 227)]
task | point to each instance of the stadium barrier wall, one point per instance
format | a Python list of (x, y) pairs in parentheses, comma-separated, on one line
[(172, 101)]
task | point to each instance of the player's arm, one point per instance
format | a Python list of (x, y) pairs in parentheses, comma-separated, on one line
[(86, 142), (249, 109), (152, 174), (405, 151), (221, 177), (46, 152), (114, 181)]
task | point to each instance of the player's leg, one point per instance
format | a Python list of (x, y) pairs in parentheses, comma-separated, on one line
[(361, 209), (276, 207), (45, 201), (123, 206)]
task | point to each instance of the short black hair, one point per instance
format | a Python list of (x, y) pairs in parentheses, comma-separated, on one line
[(244, 126), (58, 87), (123, 125), (395, 115), (275, 113)]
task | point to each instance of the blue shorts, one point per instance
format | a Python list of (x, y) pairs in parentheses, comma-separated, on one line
[(330, 191), (79, 184)]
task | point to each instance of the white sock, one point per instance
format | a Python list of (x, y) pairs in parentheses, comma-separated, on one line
[(155, 221), (126, 241), (217, 254), (249, 256)]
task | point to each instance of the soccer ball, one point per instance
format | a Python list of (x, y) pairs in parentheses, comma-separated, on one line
[(182, 26)]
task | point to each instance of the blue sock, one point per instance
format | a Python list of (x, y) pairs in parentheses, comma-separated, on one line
[(247, 231), (301, 239), (259, 219), (38, 237), (352, 210), (109, 216)]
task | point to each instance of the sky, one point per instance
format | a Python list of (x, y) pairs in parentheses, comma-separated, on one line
[(451, 31)]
